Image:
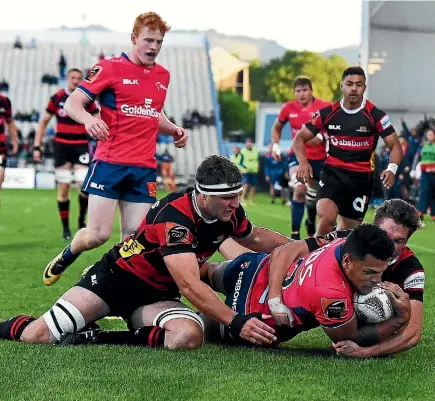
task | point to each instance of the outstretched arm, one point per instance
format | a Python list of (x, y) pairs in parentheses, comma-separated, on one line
[(262, 240)]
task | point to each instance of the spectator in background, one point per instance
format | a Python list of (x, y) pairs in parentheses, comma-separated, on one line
[(211, 119), (49, 79), (187, 119), (18, 44), (101, 57), (400, 187), (33, 43), (167, 171), (172, 120), (4, 86), (413, 137), (426, 157), (252, 164), (62, 65), (34, 116), (196, 118), (237, 159), (273, 170)]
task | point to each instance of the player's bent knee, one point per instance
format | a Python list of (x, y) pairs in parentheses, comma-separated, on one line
[(36, 332), (63, 317), (184, 334), (98, 237), (184, 328)]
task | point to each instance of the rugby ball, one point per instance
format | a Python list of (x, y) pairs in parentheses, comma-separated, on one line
[(374, 307)]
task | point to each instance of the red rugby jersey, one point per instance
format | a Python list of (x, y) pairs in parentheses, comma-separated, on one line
[(406, 270), (68, 131), (315, 289), (297, 115), (5, 117), (131, 97)]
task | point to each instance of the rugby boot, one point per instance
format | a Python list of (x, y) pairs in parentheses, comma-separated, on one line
[(80, 338), (66, 235), (58, 265)]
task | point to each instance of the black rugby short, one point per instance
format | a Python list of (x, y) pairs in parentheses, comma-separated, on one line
[(74, 154), (122, 291), (350, 191)]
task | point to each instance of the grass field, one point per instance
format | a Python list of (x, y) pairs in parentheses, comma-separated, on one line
[(304, 369)]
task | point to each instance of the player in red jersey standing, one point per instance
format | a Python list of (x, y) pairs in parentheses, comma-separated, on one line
[(317, 290), (71, 149), (132, 91), (298, 112), (6, 119), (353, 126)]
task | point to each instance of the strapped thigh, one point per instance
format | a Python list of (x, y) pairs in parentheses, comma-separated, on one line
[(63, 176), (177, 313)]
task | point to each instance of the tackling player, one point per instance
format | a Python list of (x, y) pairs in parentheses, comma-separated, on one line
[(132, 90), (317, 290), (6, 119), (141, 278), (71, 149), (298, 112), (353, 125)]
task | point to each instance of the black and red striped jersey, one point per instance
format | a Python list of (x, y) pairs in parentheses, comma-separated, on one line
[(406, 270), (5, 118), (352, 134), (68, 131), (174, 225)]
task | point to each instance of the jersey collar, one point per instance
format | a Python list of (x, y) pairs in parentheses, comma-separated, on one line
[(347, 111), (198, 212), (125, 55)]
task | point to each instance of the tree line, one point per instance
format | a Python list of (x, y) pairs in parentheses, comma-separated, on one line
[(273, 82)]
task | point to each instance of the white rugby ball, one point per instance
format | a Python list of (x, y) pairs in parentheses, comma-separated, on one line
[(374, 307)]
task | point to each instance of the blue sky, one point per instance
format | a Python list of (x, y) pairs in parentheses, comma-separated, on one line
[(315, 25)]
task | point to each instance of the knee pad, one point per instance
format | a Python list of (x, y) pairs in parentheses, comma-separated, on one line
[(63, 318), (63, 176), (80, 174), (177, 313)]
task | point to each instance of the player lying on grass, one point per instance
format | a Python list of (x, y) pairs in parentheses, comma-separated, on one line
[(400, 220), (318, 289), (141, 278)]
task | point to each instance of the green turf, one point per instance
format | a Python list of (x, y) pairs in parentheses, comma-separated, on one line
[(304, 369)]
